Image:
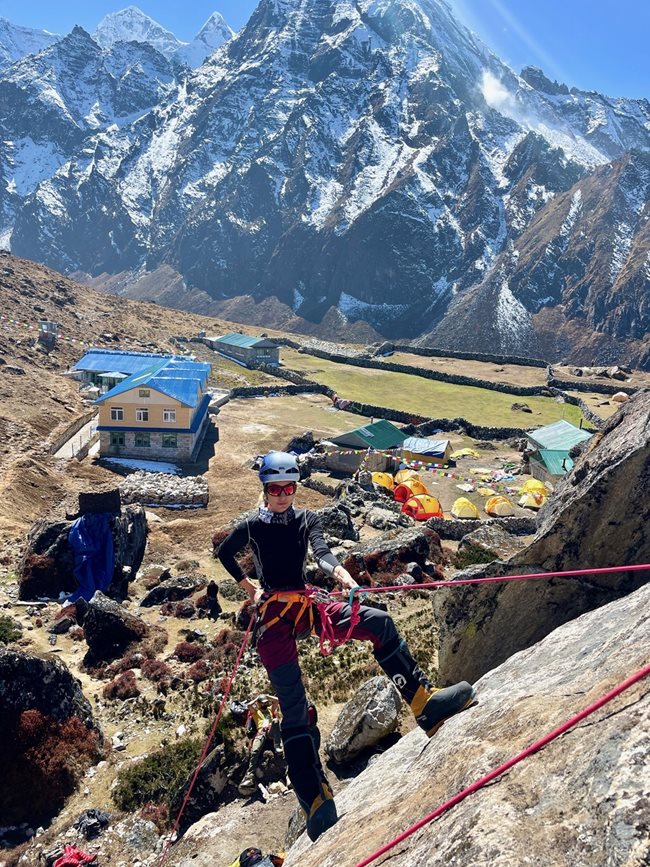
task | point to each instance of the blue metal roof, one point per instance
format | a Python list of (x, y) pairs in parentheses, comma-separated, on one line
[(104, 360), (183, 382)]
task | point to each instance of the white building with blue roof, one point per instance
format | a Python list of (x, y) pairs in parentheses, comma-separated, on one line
[(158, 412)]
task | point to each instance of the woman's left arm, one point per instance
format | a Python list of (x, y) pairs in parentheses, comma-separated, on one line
[(324, 557)]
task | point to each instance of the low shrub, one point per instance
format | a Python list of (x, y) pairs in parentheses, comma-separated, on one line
[(156, 813), (157, 778), (42, 760), (472, 555), (155, 670), (199, 671), (122, 687), (9, 630), (184, 608), (189, 651)]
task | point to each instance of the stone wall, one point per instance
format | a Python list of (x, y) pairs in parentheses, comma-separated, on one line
[(598, 387), (61, 435), (456, 528), (155, 451), (163, 489)]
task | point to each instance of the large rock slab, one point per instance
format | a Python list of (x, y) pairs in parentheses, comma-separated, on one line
[(384, 557), (173, 589), (109, 628), (598, 516), (47, 566), (583, 799), (370, 715)]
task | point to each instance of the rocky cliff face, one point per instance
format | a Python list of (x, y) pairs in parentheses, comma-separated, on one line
[(377, 160), (581, 800)]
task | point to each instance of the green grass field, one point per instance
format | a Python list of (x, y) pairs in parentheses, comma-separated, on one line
[(427, 397)]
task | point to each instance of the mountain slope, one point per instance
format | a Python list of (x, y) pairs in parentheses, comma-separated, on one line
[(17, 41), (372, 157)]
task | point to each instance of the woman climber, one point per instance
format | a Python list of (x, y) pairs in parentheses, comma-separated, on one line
[(279, 536)]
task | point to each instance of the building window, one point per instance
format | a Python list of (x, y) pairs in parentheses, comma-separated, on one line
[(142, 439), (169, 441), (144, 392), (117, 439), (142, 414), (169, 415), (117, 414)]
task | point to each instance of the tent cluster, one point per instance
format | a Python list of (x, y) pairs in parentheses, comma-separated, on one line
[(408, 490)]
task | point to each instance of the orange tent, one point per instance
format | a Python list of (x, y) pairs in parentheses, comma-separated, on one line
[(422, 506), (410, 488)]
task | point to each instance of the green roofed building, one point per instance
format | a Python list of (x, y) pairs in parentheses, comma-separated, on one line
[(559, 436), (550, 459), (246, 349), (377, 435)]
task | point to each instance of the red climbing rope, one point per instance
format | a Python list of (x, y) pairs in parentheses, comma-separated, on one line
[(206, 748), (491, 580), (497, 772)]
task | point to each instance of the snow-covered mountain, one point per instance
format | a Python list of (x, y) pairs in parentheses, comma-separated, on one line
[(17, 41), (211, 36), (367, 160), (61, 101), (132, 25)]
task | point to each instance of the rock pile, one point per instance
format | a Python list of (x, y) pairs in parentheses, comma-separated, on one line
[(162, 489)]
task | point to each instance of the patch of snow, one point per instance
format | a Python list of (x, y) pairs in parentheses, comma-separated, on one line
[(350, 306), (5, 239), (512, 318), (574, 210), (622, 243), (147, 466), (30, 163), (298, 298)]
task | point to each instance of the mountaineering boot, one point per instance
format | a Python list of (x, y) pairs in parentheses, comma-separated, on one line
[(322, 814), (430, 706), (309, 781), (248, 785)]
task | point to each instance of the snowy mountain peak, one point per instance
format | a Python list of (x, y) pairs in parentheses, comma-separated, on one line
[(17, 41), (132, 25), (211, 36)]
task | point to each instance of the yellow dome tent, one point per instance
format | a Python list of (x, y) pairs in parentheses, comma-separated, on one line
[(465, 453), (464, 508), (532, 500), (405, 475), (499, 506), (384, 480), (534, 486), (422, 507), (410, 488)]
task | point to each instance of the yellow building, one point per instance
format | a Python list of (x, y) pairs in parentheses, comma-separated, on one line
[(161, 412)]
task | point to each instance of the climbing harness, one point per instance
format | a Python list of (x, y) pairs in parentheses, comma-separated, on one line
[(305, 601)]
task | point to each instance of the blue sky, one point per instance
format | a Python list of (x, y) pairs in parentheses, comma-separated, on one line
[(592, 44)]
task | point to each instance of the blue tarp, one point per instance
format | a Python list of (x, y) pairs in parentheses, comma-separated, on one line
[(91, 541)]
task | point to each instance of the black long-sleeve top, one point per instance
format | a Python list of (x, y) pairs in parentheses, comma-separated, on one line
[(279, 550)]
